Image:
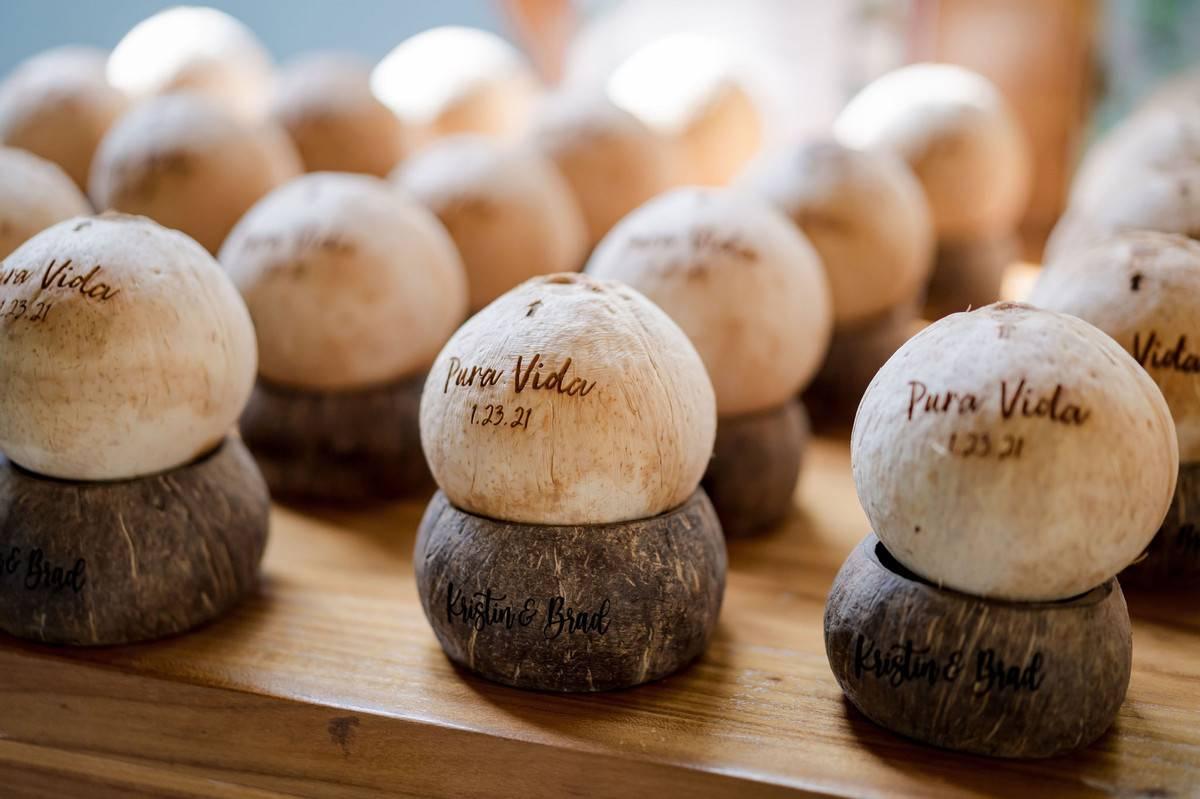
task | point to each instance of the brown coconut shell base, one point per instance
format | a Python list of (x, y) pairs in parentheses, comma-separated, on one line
[(985, 676), (755, 466), (340, 447), (121, 562), (968, 274), (856, 353), (1173, 558), (587, 608)]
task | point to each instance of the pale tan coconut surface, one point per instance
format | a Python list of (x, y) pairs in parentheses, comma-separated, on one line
[(1143, 289), (453, 79), (739, 279), (126, 350), (690, 88), (959, 136), (349, 283), (612, 161), (324, 102), (1014, 453), (1145, 198), (195, 49), (865, 214), (509, 211), (182, 161), (58, 105), (1156, 139), (569, 400), (34, 194)]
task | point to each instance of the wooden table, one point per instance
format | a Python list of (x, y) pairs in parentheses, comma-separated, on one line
[(330, 684)]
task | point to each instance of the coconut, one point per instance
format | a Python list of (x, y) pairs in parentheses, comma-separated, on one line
[(34, 194), (457, 80), (187, 164), (194, 49), (865, 215), (349, 283), (509, 211), (568, 401), (58, 105), (325, 104), (959, 136), (1014, 453), (127, 351), (612, 161), (739, 279), (1142, 288), (688, 88)]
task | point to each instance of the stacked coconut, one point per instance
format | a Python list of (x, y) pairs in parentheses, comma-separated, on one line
[(1011, 461), (1124, 258)]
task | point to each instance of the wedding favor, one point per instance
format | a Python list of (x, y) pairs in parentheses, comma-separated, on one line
[(353, 289), (128, 509), (867, 218), (58, 105), (1143, 289), (509, 211), (612, 161), (961, 139), (747, 288), (325, 104), (1011, 461), (189, 165), (570, 547), (34, 194)]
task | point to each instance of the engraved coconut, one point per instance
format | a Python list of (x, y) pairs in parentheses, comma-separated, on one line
[(189, 165), (34, 194), (1014, 453), (959, 136), (325, 104), (509, 211), (58, 105), (568, 401), (127, 351), (612, 161)]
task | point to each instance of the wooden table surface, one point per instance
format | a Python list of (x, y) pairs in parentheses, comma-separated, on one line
[(329, 683)]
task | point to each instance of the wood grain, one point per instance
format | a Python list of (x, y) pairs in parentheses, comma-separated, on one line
[(330, 683)]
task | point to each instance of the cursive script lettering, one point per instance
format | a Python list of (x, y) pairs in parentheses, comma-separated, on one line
[(1152, 353), (532, 377), (63, 276)]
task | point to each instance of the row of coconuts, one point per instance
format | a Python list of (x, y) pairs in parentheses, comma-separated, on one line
[(1013, 460), (1011, 454), (354, 281)]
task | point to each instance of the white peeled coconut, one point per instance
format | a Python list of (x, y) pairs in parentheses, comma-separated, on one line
[(324, 102), (1143, 289), (739, 279), (688, 87), (864, 213), (349, 284), (58, 105), (1014, 453), (454, 79), (509, 211), (189, 165), (612, 161), (34, 194), (959, 136), (126, 350), (194, 49), (568, 401)]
